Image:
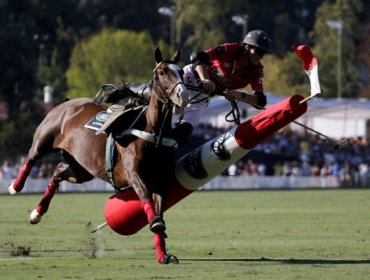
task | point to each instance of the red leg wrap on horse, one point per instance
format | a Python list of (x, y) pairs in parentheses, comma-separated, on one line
[(160, 246), (22, 177), (149, 210), (43, 206)]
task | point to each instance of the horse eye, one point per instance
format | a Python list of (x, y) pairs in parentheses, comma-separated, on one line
[(163, 72)]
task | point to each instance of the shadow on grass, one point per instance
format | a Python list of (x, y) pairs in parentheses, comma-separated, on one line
[(287, 261)]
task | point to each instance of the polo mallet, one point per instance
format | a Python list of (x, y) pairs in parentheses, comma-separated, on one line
[(99, 227), (239, 96), (337, 144)]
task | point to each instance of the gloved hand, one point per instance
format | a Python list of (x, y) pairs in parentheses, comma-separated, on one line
[(208, 86), (261, 98)]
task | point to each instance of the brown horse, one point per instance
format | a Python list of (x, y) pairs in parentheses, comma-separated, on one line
[(142, 161)]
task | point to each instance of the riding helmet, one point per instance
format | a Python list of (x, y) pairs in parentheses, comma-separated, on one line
[(259, 39)]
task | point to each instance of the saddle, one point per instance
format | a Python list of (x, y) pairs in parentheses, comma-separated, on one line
[(142, 91), (125, 100), (120, 119), (131, 93)]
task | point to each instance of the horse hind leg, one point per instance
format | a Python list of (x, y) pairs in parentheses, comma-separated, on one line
[(36, 214), (18, 184), (41, 145), (63, 172)]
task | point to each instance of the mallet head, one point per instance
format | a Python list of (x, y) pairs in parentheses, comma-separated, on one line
[(342, 143)]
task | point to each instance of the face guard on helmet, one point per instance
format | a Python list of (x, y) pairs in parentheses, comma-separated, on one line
[(258, 39)]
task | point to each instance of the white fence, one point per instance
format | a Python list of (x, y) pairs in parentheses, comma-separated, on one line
[(218, 183), (271, 182)]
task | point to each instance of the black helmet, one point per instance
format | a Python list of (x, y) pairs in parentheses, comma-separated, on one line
[(259, 39)]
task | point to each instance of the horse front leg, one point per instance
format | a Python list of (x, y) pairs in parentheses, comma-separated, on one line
[(18, 184), (158, 201), (156, 223), (160, 249), (158, 226), (159, 237)]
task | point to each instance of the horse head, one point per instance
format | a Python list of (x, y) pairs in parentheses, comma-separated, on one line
[(168, 76)]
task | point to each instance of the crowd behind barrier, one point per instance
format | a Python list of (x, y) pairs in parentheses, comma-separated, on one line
[(302, 154), (286, 154)]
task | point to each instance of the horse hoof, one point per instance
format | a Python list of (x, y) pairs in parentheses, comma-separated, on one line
[(157, 225), (169, 259), (11, 190), (34, 217)]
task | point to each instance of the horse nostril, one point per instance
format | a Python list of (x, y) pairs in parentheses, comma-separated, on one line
[(182, 97)]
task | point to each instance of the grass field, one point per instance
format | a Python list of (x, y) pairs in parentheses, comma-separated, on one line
[(312, 234)]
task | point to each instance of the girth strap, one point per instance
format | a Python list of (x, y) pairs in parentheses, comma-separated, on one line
[(149, 137), (109, 159)]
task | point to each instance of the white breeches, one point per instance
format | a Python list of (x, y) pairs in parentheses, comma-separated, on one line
[(198, 102)]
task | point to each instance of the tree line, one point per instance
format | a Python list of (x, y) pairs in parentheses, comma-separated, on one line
[(75, 46)]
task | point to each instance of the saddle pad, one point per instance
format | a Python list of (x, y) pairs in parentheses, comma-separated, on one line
[(97, 121)]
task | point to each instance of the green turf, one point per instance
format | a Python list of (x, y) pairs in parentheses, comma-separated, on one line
[(312, 234)]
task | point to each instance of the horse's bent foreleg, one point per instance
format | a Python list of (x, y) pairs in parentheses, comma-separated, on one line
[(18, 184), (160, 249)]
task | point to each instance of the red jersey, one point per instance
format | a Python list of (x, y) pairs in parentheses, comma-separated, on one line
[(221, 67)]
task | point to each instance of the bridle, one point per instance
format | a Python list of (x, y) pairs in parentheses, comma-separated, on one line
[(164, 98), (156, 138)]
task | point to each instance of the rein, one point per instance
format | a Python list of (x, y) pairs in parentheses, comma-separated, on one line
[(159, 140), (232, 116)]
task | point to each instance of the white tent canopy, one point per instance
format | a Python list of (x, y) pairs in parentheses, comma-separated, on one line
[(334, 117)]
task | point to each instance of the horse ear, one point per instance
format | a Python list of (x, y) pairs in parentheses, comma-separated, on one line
[(158, 55), (176, 57)]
